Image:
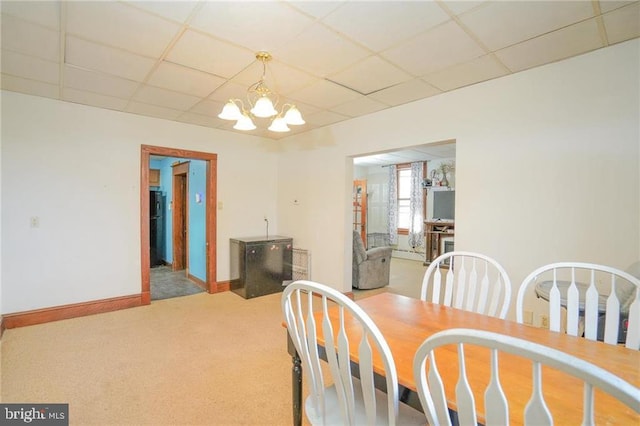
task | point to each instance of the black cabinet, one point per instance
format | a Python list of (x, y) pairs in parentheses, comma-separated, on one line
[(259, 265)]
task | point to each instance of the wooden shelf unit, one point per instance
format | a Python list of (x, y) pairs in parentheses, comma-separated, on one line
[(435, 232)]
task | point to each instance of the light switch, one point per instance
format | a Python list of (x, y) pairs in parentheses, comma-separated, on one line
[(219, 205), (34, 221)]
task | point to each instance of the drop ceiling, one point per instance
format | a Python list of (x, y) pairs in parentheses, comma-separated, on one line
[(335, 60)]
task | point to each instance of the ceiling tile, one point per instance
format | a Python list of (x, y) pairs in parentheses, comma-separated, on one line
[(405, 92), (208, 108), (109, 60), (323, 118), (30, 87), (360, 106), (30, 67), (623, 24), (119, 25), (229, 90), (30, 39), (458, 7), (480, 69), (93, 99), (522, 20), (205, 53), (166, 98), (279, 77), (45, 13), (569, 41), (177, 11), (325, 94), (153, 111), (184, 80), (427, 53), (380, 25), (316, 9), (609, 5), (370, 75), (81, 79), (197, 119), (255, 25), (320, 51)]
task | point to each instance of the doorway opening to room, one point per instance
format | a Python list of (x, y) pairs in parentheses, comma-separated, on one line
[(178, 243), (371, 206)]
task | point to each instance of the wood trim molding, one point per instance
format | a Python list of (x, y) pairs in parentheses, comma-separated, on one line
[(40, 316), (2, 328), (222, 286), (197, 281)]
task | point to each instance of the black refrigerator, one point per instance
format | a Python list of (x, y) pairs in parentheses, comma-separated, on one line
[(156, 227)]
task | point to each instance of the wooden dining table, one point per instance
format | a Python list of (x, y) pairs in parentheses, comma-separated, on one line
[(406, 322)]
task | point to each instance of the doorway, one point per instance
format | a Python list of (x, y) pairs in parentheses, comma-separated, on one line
[(210, 199)]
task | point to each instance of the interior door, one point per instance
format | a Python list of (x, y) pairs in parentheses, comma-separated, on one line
[(180, 216)]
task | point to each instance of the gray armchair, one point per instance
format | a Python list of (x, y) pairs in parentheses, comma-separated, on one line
[(370, 267)]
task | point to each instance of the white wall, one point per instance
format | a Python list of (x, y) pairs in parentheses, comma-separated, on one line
[(77, 169), (547, 166)]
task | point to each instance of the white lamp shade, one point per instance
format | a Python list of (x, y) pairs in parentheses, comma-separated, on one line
[(263, 108), (293, 116), (279, 124), (244, 123), (230, 111)]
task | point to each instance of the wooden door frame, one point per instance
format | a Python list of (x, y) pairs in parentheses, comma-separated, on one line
[(179, 172), (211, 161)]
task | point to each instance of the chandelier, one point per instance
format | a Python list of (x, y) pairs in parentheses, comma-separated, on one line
[(261, 105)]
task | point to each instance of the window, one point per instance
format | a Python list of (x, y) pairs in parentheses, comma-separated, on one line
[(404, 197)]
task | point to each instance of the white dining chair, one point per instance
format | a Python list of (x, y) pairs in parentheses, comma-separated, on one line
[(432, 391), (598, 302), (336, 396), (470, 281)]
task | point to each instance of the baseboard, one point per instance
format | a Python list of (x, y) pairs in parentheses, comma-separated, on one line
[(197, 281), (222, 286), (1, 326), (40, 316)]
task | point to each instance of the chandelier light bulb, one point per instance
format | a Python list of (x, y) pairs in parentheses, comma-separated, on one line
[(230, 111), (244, 123), (279, 124), (263, 107), (293, 116)]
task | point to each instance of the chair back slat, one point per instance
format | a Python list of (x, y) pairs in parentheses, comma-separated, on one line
[(554, 304), (473, 282), (433, 394), (597, 300), (465, 404), (473, 288), (633, 329), (495, 401), (461, 285), (613, 315), (536, 411), (591, 310), (573, 306), (365, 361), (448, 294), (437, 284), (588, 418)]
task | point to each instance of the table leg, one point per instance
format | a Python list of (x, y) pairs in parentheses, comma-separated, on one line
[(296, 382), (296, 376)]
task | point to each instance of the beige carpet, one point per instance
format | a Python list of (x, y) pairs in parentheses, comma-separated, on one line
[(195, 360)]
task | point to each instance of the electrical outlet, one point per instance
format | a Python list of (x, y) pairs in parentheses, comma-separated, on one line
[(544, 321), (528, 317)]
